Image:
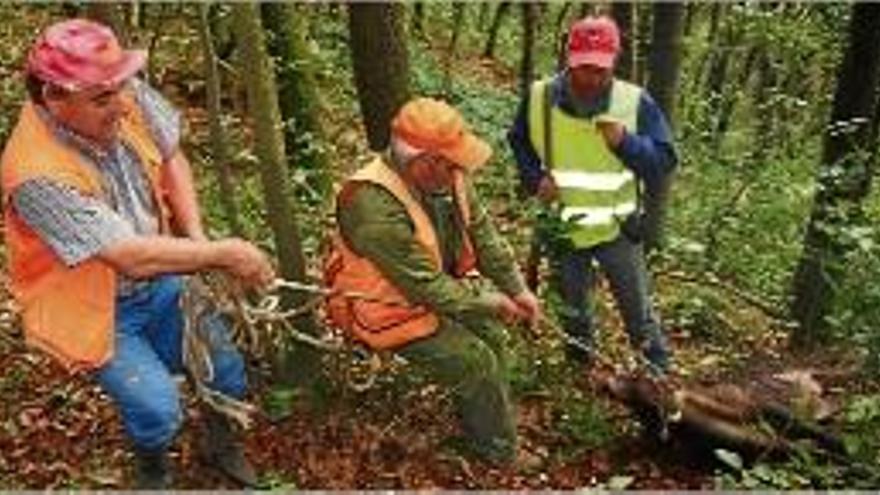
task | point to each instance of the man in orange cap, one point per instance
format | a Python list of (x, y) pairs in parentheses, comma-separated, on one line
[(410, 228), (587, 142), (100, 217)]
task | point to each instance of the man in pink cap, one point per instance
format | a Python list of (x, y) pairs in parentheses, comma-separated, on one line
[(588, 143), (100, 218)]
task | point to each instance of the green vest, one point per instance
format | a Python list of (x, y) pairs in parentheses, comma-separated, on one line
[(597, 191)]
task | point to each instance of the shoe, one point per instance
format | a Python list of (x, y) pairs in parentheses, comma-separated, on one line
[(151, 470), (222, 449), (657, 356)]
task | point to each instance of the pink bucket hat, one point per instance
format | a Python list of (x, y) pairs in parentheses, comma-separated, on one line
[(593, 41), (79, 54)]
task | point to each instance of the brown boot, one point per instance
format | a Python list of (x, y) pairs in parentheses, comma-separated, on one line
[(223, 450)]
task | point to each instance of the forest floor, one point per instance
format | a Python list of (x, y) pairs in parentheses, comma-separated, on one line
[(62, 432)]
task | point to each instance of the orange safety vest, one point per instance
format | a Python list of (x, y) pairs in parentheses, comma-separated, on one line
[(68, 312), (391, 320)]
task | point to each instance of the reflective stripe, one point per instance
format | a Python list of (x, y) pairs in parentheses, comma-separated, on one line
[(597, 215), (594, 181)]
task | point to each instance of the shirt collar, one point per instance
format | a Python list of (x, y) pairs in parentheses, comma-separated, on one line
[(67, 135)]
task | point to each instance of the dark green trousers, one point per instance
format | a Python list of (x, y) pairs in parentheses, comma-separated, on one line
[(472, 362)]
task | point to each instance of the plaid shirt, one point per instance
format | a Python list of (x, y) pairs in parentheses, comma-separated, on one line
[(77, 227)]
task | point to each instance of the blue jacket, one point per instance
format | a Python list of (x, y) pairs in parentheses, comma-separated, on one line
[(648, 151)]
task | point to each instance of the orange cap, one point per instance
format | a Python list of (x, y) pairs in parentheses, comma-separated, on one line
[(434, 126)]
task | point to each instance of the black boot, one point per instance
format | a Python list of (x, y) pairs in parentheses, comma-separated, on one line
[(151, 470), (223, 450)]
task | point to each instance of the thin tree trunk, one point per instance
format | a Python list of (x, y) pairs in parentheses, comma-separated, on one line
[(560, 35), (219, 148), (844, 178), (418, 19), (381, 66), (296, 363), (458, 21), (527, 65), (269, 147), (642, 40), (491, 40), (299, 99), (665, 60), (624, 15)]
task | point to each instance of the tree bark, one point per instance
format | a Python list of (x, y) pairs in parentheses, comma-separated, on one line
[(642, 39), (491, 40), (295, 363), (458, 21), (665, 60), (219, 148), (527, 64), (299, 100), (624, 15), (381, 66), (844, 178)]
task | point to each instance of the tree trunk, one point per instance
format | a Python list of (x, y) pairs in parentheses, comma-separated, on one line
[(665, 60), (642, 40), (381, 66), (418, 19), (560, 35), (219, 148), (299, 100), (527, 64), (844, 178), (500, 14), (624, 15), (458, 21), (296, 363)]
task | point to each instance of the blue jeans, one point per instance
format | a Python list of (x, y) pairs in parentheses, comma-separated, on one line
[(148, 351), (623, 262)]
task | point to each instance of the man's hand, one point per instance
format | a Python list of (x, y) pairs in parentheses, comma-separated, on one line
[(529, 306), (548, 191), (245, 261), (612, 131), (504, 307)]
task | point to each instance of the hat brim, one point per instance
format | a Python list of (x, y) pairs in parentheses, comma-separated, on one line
[(470, 152), (132, 62), (604, 60)]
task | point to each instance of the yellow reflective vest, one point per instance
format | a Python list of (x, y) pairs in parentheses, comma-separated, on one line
[(597, 191)]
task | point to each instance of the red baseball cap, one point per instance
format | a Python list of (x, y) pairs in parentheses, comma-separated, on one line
[(593, 41), (434, 126), (78, 54)]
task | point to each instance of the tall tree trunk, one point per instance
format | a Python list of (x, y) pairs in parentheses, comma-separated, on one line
[(296, 363), (624, 15), (560, 34), (381, 65), (219, 148), (458, 21), (642, 39), (844, 178), (491, 40), (665, 60), (299, 100), (527, 64), (418, 19)]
